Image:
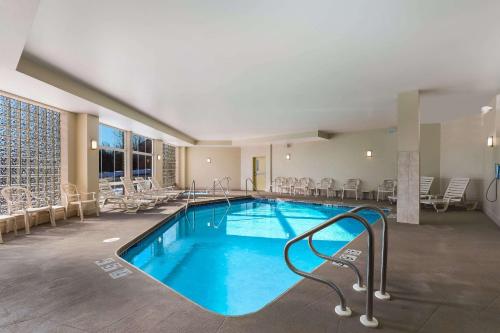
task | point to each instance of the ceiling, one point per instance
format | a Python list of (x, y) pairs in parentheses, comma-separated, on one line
[(230, 70)]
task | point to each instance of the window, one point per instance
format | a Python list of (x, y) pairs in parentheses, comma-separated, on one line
[(168, 165), (30, 149), (142, 157), (111, 153)]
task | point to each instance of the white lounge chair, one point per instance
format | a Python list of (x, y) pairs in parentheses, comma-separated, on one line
[(326, 184), (130, 204), (143, 197), (455, 194), (388, 186), (20, 202), (304, 186), (167, 189), (75, 198), (144, 188), (351, 185)]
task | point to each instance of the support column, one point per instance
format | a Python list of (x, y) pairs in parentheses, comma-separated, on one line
[(408, 206), (87, 171), (158, 163), (180, 164)]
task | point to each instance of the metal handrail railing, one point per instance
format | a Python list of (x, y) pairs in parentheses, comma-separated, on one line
[(382, 293), (192, 189), (216, 180), (246, 185), (342, 310)]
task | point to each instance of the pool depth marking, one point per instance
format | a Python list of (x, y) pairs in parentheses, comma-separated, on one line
[(114, 269)]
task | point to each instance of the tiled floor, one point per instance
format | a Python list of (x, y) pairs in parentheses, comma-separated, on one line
[(444, 276)]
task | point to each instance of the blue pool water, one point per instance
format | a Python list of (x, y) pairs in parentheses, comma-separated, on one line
[(230, 260)]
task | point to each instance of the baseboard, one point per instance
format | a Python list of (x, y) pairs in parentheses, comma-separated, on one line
[(492, 215)]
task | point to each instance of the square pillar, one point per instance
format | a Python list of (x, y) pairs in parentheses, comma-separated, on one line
[(158, 163), (408, 204), (87, 170)]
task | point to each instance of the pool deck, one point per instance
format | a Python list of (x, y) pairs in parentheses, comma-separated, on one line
[(444, 276)]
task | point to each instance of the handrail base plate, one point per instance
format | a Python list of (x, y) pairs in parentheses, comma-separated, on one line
[(384, 297), (358, 288), (368, 323), (343, 313)]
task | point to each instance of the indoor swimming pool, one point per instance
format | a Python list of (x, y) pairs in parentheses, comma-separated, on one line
[(229, 259)]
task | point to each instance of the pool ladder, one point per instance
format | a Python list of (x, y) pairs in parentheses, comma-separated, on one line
[(219, 182), (342, 309), (192, 189), (253, 185)]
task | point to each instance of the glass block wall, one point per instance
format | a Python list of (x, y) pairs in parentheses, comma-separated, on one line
[(168, 165), (30, 150)]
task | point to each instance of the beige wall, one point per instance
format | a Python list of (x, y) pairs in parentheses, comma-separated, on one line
[(225, 162), (462, 149), (342, 157)]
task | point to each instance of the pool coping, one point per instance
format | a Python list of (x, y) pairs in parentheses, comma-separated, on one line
[(175, 213)]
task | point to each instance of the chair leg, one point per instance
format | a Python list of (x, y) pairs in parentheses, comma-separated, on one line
[(52, 217), (27, 223), (97, 208), (14, 220), (80, 211)]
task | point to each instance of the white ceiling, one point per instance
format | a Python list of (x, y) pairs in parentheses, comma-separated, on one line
[(229, 70)]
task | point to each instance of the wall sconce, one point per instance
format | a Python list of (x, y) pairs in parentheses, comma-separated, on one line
[(93, 144), (158, 157), (490, 141), (209, 160), (288, 157), (369, 153)]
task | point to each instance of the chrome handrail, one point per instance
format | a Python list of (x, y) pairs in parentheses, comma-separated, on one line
[(359, 285), (342, 309), (382, 293), (246, 185), (192, 189), (216, 180)]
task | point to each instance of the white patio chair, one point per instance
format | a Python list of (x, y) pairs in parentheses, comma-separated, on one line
[(278, 182), (454, 195), (326, 184), (20, 201), (79, 199), (288, 184), (425, 187), (388, 186), (351, 185), (10, 222), (304, 186)]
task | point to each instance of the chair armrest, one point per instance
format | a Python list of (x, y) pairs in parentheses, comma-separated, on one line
[(93, 194)]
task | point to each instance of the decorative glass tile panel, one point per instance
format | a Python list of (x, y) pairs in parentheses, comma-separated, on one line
[(30, 149)]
